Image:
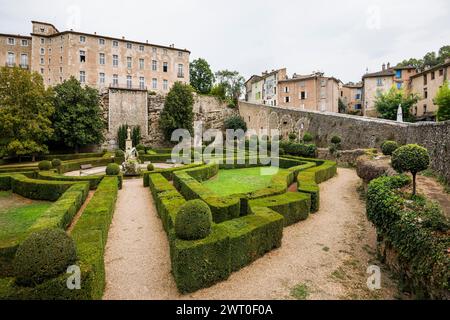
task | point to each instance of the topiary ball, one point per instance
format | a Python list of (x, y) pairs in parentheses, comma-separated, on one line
[(336, 140), (150, 167), (119, 154), (193, 221), (412, 158), (388, 147), (141, 152), (113, 169), (307, 137), (45, 165), (56, 163), (43, 255)]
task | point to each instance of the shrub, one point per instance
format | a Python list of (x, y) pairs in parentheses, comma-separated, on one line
[(140, 147), (45, 165), (235, 122), (141, 153), (193, 221), (442, 99), (150, 167), (388, 147), (298, 149), (336, 140), (119, 153), (43, 255), (307, 137), (292, 136), (56, 163), (412, 158), (113, 169)]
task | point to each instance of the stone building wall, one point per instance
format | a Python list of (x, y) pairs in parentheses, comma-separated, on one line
[(356, 132)]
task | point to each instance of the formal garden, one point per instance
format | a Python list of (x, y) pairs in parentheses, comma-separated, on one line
[(132, 222)]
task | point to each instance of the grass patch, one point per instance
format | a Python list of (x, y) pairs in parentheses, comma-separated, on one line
[(16, 221), (300, 292), (234, 181)]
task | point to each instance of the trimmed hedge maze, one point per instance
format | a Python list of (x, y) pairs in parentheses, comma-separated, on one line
[(245, 226), (89, 233)]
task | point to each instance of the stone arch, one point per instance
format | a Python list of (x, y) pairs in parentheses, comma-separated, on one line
[(273, 121), (262, 120), (301, 127), (286, 126)]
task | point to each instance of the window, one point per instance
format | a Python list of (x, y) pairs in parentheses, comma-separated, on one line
[(379, 82), (180, 71), (286, 89), (415, 110), (287, 99), (129, 82), (142, 83), (42, 41), (49, 50), (165, 85), (101, 78), (82, 39), (82, 76), (398, 74), (180, 54), (399, 85), (165, 67), (102, 58), (165, 51), (129, 45), (82, 56), (154, 65), (425, 80), (425, 93), (154, 50), (61, 49), (24, 43), (60, 70), (424, 108), (115, 43), (115, 60), (42, 29), (141, 48), (42, 51), (24, 60), (432, 75), (303, 95), (141, 64), (101, 42), (441, 72), (274, 90), (129, 62), (358, 106), (358, 96), (42, 60), (11, 41), (115, 80), (11, 59), (154, 83), (42, 70)]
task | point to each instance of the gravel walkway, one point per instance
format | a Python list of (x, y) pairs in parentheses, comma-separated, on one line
[(325, 256)]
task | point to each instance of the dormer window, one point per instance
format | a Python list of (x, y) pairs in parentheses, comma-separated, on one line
[(11, 41), (82, 39)]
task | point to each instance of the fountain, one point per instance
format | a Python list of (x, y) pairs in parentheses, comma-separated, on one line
[(131, 166)]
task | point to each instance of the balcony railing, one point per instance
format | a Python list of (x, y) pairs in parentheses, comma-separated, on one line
[(180, 75), (127, 87)]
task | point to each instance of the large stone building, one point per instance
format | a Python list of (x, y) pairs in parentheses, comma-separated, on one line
[(99, 61)]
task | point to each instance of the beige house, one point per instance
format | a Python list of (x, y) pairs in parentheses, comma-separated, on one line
[(351, 96), (426, 84), (101, 61), (15, 50), (310, 92), (254, 89), (263, 89)]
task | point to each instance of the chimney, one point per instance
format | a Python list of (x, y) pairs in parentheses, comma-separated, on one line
[(389, 65), (383, 66), (123, 38)]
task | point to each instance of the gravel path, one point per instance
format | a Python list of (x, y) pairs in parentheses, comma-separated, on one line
[(325, 256)]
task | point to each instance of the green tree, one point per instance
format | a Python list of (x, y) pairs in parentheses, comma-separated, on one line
[(233, 83), (442, 99), (342, 107), (431, 59), (122, 135), (178, 110), (202, 78), (219, 91), (411, 158), (136, 135), (25, 111), (235, 122), (387, 104), (416, 63), (444, 53), (78, 119)]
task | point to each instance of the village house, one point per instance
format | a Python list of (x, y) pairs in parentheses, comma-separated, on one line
[(263, 89), (351, 96)]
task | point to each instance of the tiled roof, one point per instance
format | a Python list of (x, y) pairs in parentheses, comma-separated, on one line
[(383, 73)]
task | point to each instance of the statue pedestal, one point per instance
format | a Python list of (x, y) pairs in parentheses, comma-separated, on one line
[(128, 145)]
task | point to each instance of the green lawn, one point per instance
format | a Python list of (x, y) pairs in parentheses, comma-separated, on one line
[(14, 222), (234, 181)]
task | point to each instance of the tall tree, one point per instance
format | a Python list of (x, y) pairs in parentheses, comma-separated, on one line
[(431, 59), (25, 111), (178, 110), (233, 83), (202, 78), (78, 119), (387, 104), (442, 99)]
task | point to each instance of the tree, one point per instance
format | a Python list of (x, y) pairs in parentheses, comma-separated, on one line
[(78, 119), (342, 107), (235, 122), (122, 135), (387, 104), (136, 135), (416, 63), (219, 91), (442, 99), (233, 83), (411, 158), (178, 110), (431, 59), (202, 78), (25, 111)]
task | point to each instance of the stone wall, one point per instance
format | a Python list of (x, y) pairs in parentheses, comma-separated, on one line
[(356, 132)]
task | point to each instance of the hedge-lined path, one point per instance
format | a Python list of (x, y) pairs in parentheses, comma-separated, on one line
[(326, 255), (80, 212)]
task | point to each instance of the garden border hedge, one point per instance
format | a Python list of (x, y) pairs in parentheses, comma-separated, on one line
[(94, 181)]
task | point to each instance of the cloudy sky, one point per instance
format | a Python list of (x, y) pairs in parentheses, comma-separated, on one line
[(340, 38)]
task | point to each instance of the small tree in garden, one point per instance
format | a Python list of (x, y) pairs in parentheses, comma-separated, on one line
[(307, 137), (202, 78), (442, 99), (122, 135), (235, 122), (387, 104), (411, 158), (388, 147), (78, 119), (136, 135), (178, 110)]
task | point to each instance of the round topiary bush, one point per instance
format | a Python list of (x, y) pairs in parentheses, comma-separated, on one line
[(141, 152), (150, 167), (336, 140), (45, 165), (140, 147), (193, 221), (56, 163), (307, 137), (113, 169), (292, 136), (119, 153), (388, 147), (43, 255)]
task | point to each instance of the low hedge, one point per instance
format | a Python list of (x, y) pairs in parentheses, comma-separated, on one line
[(74, 156), (410, 232), (94, 181), (167, 173), (74, 165), (13, 169)]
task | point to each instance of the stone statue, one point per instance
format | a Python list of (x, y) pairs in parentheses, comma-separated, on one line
[(400, 113), (129, 133)]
